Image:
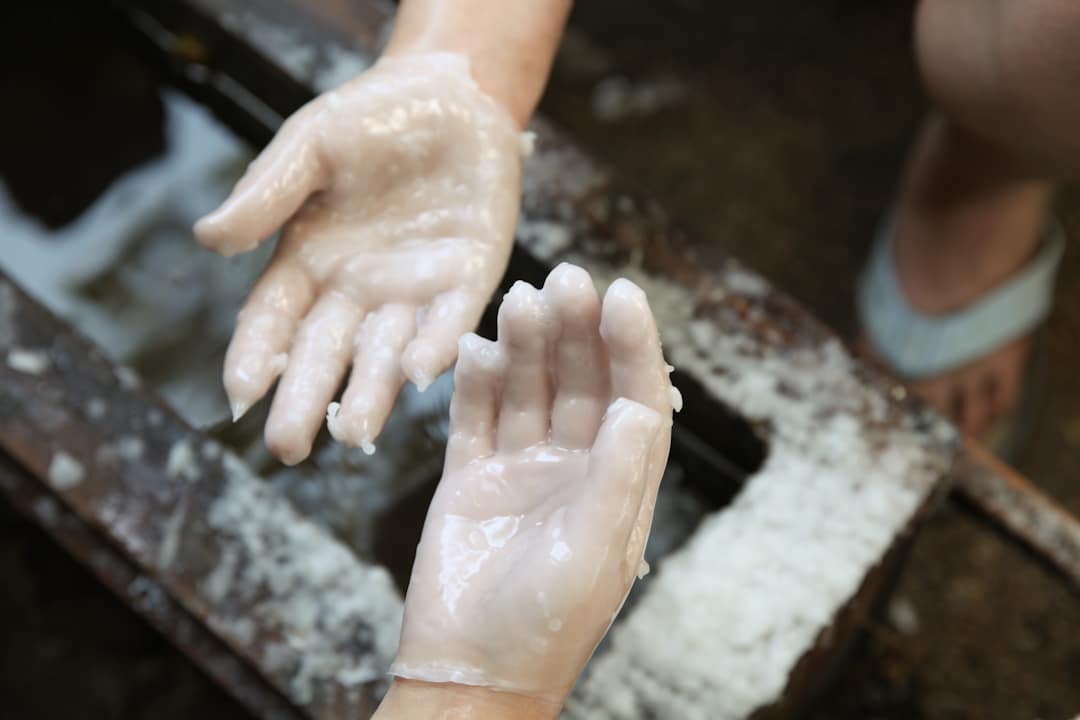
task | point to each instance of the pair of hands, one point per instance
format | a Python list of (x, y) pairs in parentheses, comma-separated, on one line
[(397, 197)]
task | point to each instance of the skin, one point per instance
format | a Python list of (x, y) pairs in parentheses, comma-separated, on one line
[(414, 700), (510, 45), (396, 196), (963, 229), (398, 193), (559, 434), (559, 437), (1003, 75)]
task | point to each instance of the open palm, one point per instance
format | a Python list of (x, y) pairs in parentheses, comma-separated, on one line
[(397, 196), (558, 439)]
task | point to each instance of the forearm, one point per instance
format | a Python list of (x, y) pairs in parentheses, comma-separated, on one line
[(414, 700), (510, 43)]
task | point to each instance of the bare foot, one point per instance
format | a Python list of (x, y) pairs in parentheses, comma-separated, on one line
[(976, 395), (966, 220)]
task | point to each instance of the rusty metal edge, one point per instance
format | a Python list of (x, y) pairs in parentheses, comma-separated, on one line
[(142, 593), (820, 669), (1013, 505), (68, 420)]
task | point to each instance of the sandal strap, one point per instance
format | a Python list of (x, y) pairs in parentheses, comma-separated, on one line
[(916, 345)]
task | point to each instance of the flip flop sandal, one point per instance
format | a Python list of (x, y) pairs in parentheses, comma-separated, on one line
[(917, 346)]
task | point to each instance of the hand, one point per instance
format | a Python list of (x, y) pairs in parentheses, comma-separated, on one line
[(559, 434), (415, 700), (397, 196)]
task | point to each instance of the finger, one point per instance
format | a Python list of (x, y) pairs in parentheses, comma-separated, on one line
[(583, 385), (639, 373), (617, 478), (258, 350), (478, 377), (638, 370), (525, 328), (450, 315), (324, 344), (376, 377), (274, 187)]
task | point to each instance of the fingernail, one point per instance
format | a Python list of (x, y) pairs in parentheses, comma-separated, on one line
[(422, 380), (204, 227), (294, 458), (239, 408)]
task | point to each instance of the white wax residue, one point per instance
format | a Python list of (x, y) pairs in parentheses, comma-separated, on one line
[(65, 472), (31, 362), (182, 461)]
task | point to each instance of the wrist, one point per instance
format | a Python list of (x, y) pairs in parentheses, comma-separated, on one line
[(509, 85), (419, 700), (510, 46)]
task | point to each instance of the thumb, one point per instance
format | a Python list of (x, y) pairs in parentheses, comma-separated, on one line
[(274, 187), (617, 474)]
